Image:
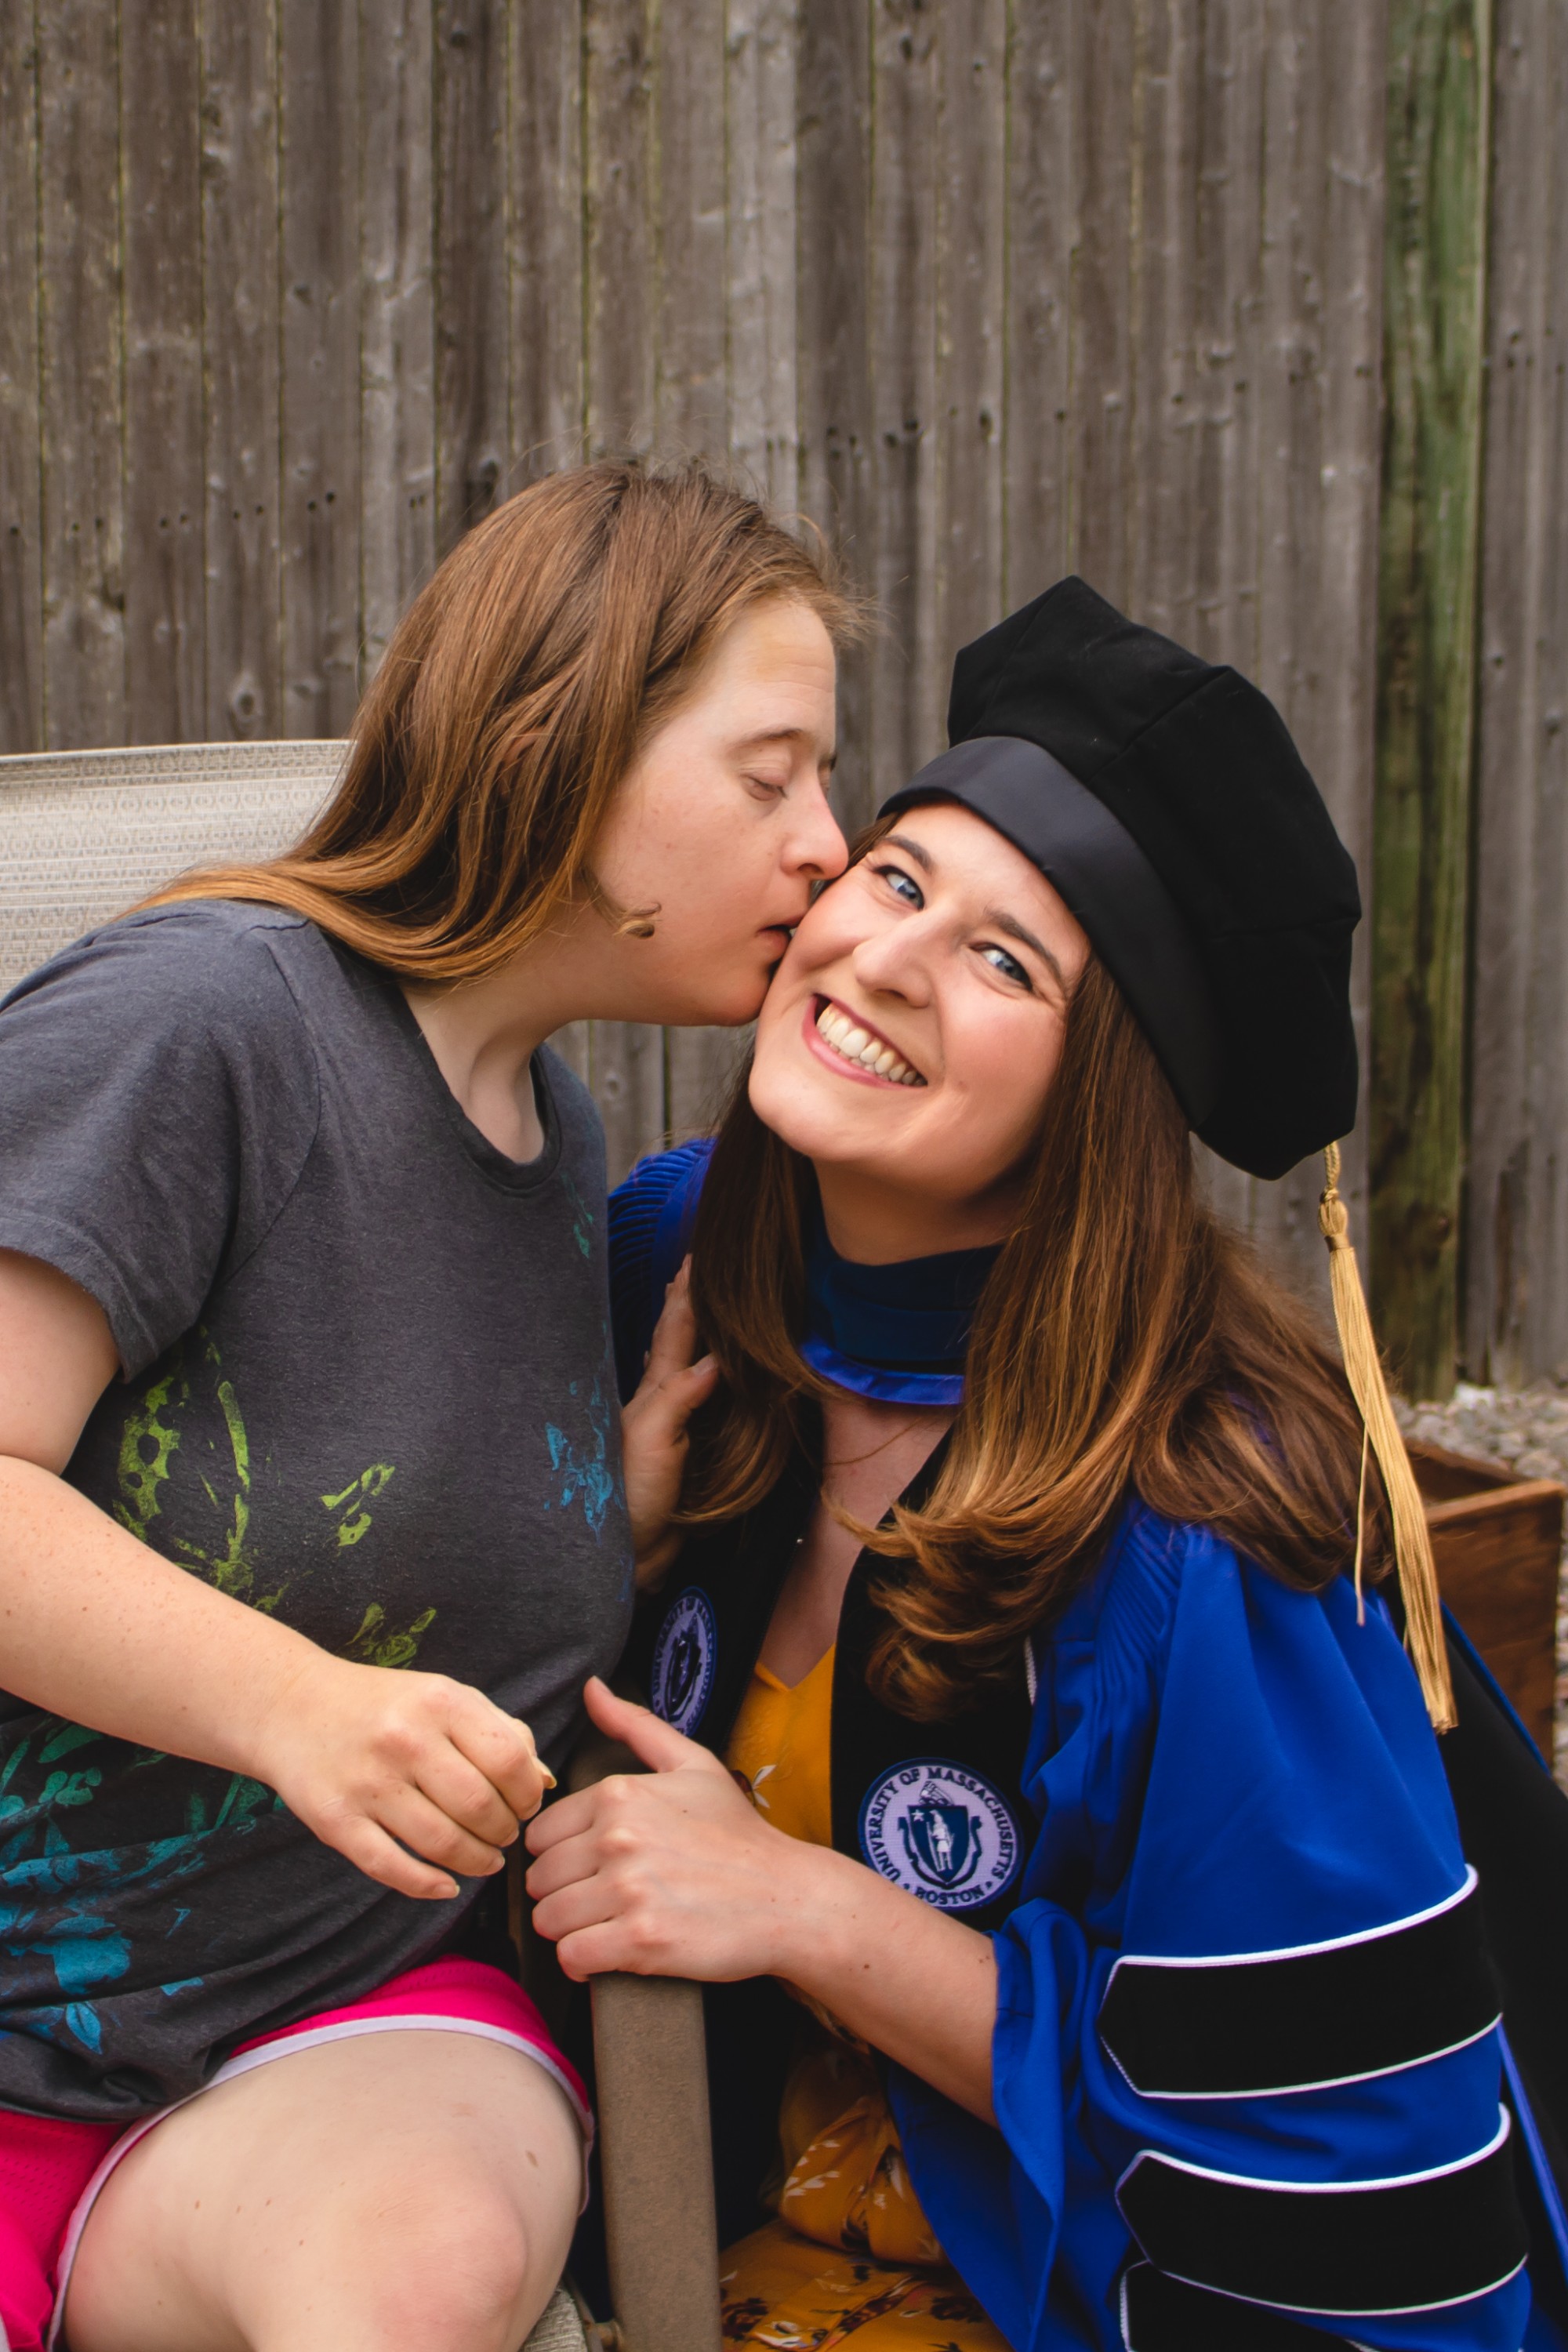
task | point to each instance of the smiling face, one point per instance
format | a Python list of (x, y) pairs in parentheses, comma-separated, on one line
[(723, 825), (910, 1038)]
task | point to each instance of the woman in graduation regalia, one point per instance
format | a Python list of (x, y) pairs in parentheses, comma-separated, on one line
[(1097, 1962)]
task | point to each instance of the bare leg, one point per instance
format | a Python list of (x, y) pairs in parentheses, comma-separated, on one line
[(399, 2191)]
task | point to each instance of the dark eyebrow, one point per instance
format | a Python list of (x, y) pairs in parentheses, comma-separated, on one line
[(1014, 930), (1009, 924), (783, 735)]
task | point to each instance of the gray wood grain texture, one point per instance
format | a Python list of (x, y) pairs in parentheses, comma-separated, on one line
[(397, 316), (908, 657), (1317, 370), (988, 291), (971, 311), (1101, 63), (1516, 1257), (472, 374), (238, 264), (833, 139), (1037, 295), (160, 162), (544, 234), (692, 317), (620, 264), (81, 374), (21, 454), (1270, 445), (763, 326), (620, 344), (717, 364), (318, 112)]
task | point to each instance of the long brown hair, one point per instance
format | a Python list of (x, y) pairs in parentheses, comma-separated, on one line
[(515, 692), (1125, 1342)]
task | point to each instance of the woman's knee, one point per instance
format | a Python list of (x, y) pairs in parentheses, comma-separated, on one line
[(429, 2199), (466, 2269)]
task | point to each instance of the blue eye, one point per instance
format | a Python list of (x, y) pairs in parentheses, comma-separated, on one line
[(902, 884), (1008, 966)]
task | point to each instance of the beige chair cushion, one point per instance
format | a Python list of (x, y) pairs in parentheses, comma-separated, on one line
[(83, 834), (558, 2327)]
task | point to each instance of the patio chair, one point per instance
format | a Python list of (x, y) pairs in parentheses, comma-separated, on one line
[(82, 835)]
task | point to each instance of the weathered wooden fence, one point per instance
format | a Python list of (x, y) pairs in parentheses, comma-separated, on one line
[(290, 293)]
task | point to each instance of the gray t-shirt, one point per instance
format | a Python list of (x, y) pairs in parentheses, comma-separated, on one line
[(368, 1389)]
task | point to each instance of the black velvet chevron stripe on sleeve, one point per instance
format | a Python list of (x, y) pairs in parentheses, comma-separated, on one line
[(1351, 2250), (1165, 2315), (1245, 2025)]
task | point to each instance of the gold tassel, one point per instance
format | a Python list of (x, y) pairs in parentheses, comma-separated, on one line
[(1412, 1543)]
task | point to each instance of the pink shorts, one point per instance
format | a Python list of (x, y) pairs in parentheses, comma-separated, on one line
[(51, 2169)]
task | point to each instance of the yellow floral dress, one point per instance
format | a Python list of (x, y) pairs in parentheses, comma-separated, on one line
[(850, 2249)]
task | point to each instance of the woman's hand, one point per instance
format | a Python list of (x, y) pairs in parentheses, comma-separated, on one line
[(673, 1874), (670, 1873), (374, 1759), (654, 1437)]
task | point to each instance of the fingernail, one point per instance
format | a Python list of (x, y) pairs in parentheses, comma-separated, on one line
[(548, 1777)]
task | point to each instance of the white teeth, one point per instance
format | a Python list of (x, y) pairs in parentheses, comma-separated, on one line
[(856, 1046)]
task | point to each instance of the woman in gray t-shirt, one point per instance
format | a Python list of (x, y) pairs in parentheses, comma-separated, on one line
[(311, 1522)]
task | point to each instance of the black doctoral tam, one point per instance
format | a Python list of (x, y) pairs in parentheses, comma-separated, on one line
[(1163, 797)]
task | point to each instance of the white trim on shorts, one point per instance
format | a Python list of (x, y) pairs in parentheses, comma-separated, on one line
[(346, 2029)]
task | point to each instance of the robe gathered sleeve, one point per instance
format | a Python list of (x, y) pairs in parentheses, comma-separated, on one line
[(1246, 2058)]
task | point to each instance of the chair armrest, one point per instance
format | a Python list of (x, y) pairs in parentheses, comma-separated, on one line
[(655, 2153)]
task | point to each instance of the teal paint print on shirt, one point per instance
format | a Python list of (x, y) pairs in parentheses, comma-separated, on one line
[(588, 1477)]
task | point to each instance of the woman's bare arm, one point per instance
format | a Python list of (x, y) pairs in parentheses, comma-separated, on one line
[(675, 1874), (96, 1627)]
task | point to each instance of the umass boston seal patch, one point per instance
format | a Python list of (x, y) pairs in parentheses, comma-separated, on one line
[(683, 1660), (942, 1833)]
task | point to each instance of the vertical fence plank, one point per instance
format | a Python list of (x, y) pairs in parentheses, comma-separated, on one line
[(1167, 521), (761, 116), (625, 1060), (21, 510), (545, 154), (78, 255), (397, 320), (621, 265), (687, 198), (1040, 224), (319, 164), (832, 83), (1196, 199), (708, 309), (472, 396), (909, 659), (1104, 72), (1517, 1231), (625, 1072), (160, 129), (1316, 373), (1434, 294), (1226, 309), (972, 197), (1197, 469), (239, 316)]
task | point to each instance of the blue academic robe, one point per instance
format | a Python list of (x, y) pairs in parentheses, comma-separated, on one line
[(1300, 2134), (1226, 1770)]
